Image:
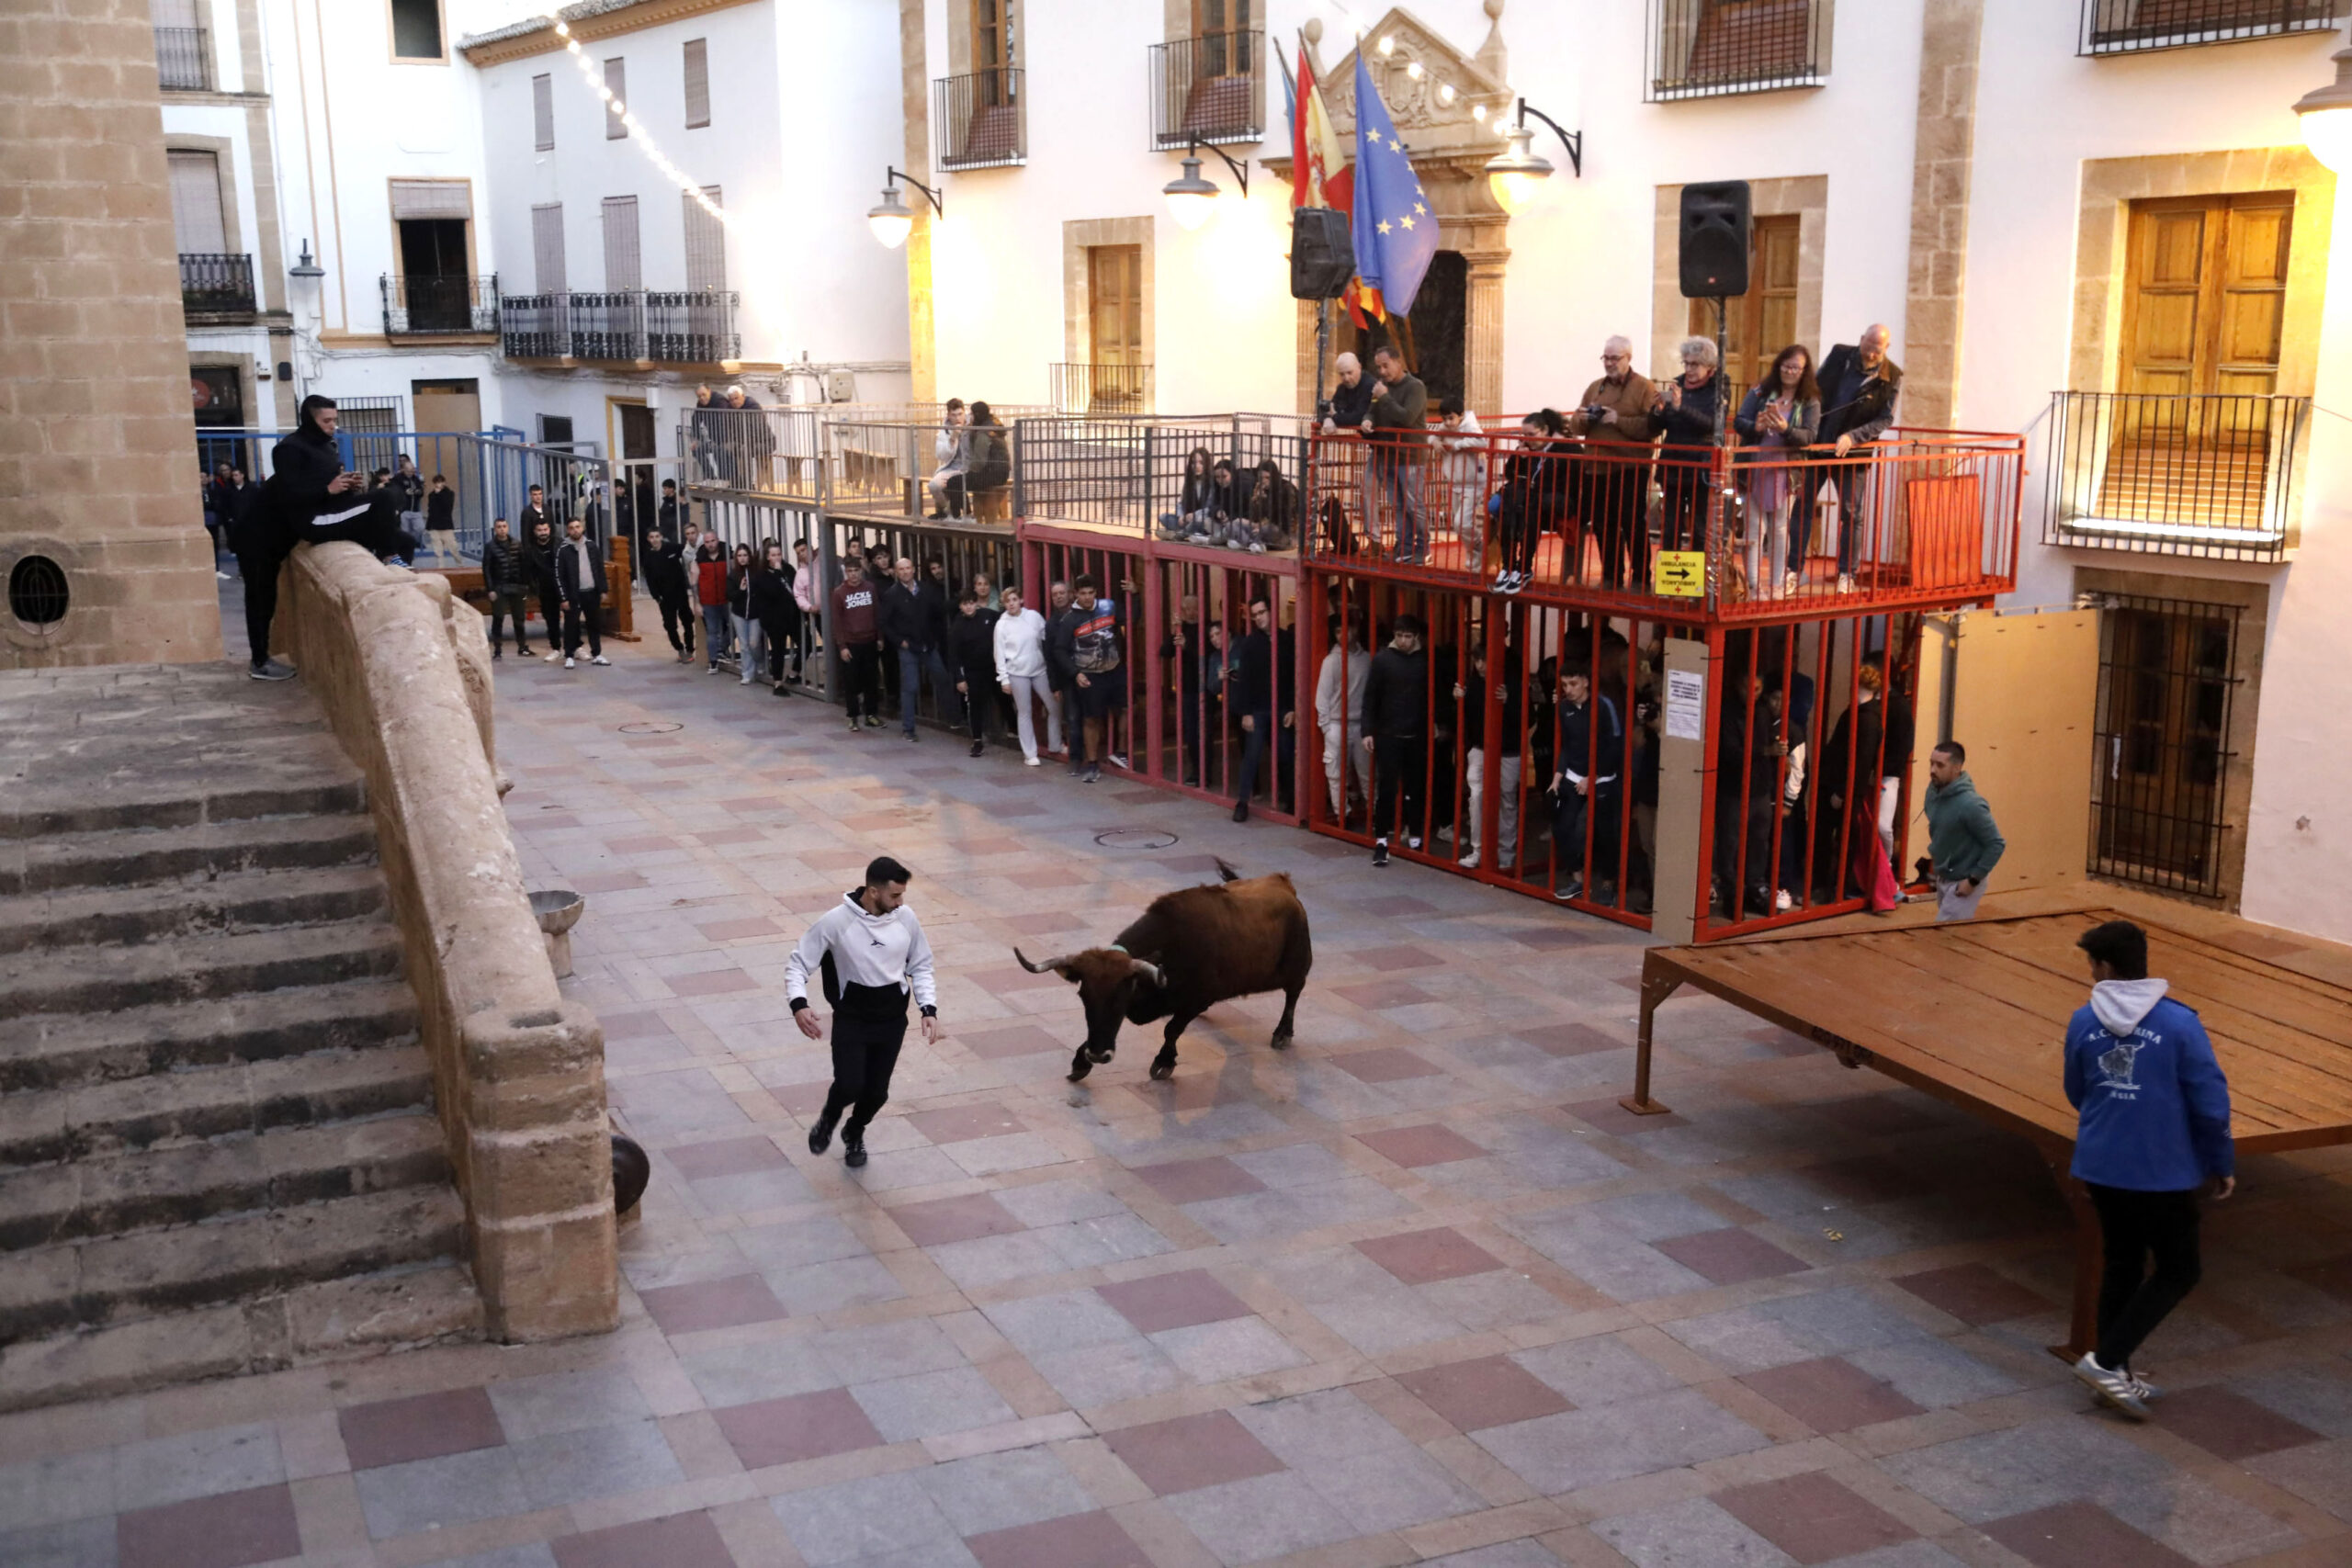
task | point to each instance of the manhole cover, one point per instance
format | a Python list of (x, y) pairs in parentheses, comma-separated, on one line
[(651, 727), (1135, 838)]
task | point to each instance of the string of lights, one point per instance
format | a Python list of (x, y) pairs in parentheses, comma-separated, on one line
[(593, 73)]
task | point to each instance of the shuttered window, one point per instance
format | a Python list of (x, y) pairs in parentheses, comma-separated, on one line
[(195, 203), (698, 82), (546, 247), (616, 78), (432, 198), (705, 245), (543, 113), (623, 270)]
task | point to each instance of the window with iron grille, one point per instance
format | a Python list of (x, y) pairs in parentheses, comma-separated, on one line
[(698, 82), (1701, 49), (616, 79), (2167, 681), (706, 243), (2131, 27), (623, 269), (543, 113)]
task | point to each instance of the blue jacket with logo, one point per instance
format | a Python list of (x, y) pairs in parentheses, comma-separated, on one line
[(2154, 1107)]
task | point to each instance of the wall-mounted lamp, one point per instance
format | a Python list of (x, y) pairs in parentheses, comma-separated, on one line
[(1191, 198), (304, 267), (1512, 172), (891, 221), (2326, 114)]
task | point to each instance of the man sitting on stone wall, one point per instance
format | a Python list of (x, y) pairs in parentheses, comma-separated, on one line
[(309, 499)]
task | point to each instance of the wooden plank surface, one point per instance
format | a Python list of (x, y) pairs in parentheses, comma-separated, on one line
[(1977, 1013)]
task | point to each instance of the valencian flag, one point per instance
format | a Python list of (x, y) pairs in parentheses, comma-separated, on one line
[(1318, 176), (1394, 231)]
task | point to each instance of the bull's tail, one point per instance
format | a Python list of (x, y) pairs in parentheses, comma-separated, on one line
[(1223, 872)]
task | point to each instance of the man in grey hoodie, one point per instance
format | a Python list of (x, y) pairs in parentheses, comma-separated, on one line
[(1963, 842)]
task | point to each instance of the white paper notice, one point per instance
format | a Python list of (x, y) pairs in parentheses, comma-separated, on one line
[(1686, 705)]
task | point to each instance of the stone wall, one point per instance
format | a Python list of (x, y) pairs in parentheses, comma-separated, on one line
[(97, 444), (518, 1071)]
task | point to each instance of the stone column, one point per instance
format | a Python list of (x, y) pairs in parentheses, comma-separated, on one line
[(1482, 332), (914, 157), (1940, 181)]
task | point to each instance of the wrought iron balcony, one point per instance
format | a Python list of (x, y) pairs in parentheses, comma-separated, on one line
[(216, 285), (2131, 27), (1211, 87), (182, 59), (1703, 49), (630, 326), (434, 305), (1101, 389), (2212, 476), (982, 118)]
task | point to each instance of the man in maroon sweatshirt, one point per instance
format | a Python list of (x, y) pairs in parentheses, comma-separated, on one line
[(856, 630)]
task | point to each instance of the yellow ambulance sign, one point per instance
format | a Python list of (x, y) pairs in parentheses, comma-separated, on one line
[(1681, 574)]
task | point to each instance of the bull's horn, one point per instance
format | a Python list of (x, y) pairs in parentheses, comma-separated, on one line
[(1056, 964), (1144, 966), (1223, 872)]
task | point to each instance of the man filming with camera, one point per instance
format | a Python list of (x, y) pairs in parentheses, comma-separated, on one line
[(1614, 418)]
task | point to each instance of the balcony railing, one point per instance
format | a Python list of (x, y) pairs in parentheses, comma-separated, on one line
[(1702, 48), (430, 305), (2129, 27), (1210, 87), (182, 59), (1101, 389), (981, 120), (630, 325), (216, 285), (2212, 475)]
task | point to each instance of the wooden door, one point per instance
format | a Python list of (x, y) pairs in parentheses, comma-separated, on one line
[(1762, 322), (1114, 297)]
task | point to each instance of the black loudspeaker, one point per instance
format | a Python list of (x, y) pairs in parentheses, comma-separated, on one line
[(1322, 258), (1715, 240)]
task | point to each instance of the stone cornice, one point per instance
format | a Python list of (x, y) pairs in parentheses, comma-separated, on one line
[(499, 50)]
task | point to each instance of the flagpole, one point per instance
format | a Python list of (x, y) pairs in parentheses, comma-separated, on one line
[(1322, 352)]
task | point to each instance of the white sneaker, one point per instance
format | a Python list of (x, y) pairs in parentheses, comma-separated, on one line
[(1469, 860), (552, 657), (1788, 584), (567, 664), (2116, 1389), (1782, 903), (1029, 761), (1116, 760), (2145, 1389), (1845, 582), (600, 659)]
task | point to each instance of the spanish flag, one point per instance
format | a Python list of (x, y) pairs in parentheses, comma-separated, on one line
[(1319, 175)]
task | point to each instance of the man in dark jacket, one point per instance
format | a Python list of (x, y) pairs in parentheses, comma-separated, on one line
[(665, 579), (1689, 410), (505, 579), (855, 629), (671, 524), (909, 627), (1395, 731), (971, 661), (1350, 403), (534, 512), (310, 500), (1590, 760), (539, 544), (1394, 469), (1858, 388), (1061, 670), (1093, 641), (580, 579), (1253, 698)]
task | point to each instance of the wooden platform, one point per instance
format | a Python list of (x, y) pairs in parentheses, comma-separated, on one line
[(1976, 1013)]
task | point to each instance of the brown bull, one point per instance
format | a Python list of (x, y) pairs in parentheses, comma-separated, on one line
[(1193, 948)]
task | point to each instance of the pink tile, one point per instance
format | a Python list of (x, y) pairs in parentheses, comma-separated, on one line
[(1571, 1039), (733, 931), (1388, 960), (954, 1219), (1043, 925), (2068, 1534), (1417, 1258), (963, 1123), (1865, 1178), (607, 882), (632, 1026), (647, 845), (1005, 982), (2229, 1426), (1493, 1391), (726, 1157), (711, 983), (1074, 1541), (1427, 1143), (1191, 1452), (1186, 1092), (1390, 1063), (801, 1099), (1194, 1180), (712, 1304), (1377, 994), (1830, 1395), (797, 1426), (1973, 1293), (424, 1426), (1814, 1518), (681, 1541), (228, 1531), (1730, 1255), (1395, 904), (1173, 1300), (718, 836), (996, 1044)]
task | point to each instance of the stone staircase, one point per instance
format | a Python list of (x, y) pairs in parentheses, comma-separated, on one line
[(218, 1150)]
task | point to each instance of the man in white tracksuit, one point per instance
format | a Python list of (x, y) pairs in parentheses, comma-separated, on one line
[(1021, 670), (871, 953), (1339, 711)]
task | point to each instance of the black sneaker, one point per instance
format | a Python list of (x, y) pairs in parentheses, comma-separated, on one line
[(977, 748), (913, 735), (498, 653), (854, 1148), (1380, 851), (821, 1135), (1093, 774)]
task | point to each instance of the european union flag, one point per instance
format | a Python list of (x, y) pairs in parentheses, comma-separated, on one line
[(1393, 230)]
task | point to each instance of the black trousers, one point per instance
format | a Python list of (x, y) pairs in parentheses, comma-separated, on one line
[(678, 619), (862, 678), (866, 1038), (979, 699), (551, 610), (259, 568), (378, 530), (2135, 1226), (1617, 496), (780, 631), (1397, 764), (582, 613), (501, 606), (1567, 834)]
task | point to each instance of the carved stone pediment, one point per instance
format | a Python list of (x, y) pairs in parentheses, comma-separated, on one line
[(1435, 119)]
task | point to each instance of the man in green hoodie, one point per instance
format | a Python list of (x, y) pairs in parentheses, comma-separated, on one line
[(1961, 839)]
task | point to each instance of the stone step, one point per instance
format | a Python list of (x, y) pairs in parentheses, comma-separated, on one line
[(245, 900), (67, 1050), (330, 1321), (170, 792), (44, 1204), (105, 979), (127, 856), (106, 1280), (102, 1120)]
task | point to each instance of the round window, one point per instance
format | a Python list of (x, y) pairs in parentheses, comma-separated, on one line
[(37, 594)]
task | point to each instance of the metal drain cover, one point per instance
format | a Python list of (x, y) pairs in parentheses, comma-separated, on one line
[(652, 727), (1135, 838)]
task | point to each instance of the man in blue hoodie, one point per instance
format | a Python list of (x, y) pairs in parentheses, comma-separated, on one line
[(2154, 1127)]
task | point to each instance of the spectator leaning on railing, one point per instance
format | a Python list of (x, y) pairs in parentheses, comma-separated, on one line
[(1398, 425), (1686, 409), (1858, 388), (1780, 417)]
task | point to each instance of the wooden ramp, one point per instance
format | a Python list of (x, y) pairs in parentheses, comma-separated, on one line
[(1976, 1013)]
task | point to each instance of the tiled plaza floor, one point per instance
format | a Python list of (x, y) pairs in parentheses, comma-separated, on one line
[(1414, 1291)]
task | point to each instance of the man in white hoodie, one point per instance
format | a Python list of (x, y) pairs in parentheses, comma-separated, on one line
[(1339, 712), (871, 953), (1021, 670)]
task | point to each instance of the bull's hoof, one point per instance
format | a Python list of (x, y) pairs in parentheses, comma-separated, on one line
[(1282, 1042), (1079, 1065), (1166, 1069), (1098, 1055)]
